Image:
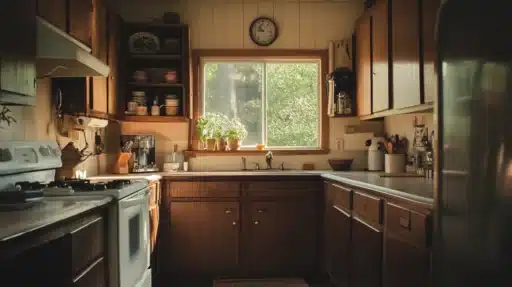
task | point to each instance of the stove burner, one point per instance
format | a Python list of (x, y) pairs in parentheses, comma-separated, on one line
[(118, 184), (26, 185), (78, 185)]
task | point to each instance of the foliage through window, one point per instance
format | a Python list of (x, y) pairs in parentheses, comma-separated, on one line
[(277, 101)]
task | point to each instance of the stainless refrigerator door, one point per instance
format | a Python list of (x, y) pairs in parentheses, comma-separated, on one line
[(473, 232)]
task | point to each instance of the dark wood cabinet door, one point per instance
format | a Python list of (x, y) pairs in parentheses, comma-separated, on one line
[(53, 11), (80, 20), (406, 53), (204, 238), (366, 254), (338, 234), (281, 238), (113, 60), (380, 56), (99, 44), (17, 55), (363, 65), (429, 10), (405, 264)]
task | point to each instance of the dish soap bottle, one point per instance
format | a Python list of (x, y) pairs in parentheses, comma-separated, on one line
[(155, 109)]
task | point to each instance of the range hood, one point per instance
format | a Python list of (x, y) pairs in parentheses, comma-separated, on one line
[(60, 55)]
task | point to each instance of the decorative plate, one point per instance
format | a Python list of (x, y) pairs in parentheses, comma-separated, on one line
[(144, 43)]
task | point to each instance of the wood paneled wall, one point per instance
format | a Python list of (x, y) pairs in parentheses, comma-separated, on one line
[(218, 24)]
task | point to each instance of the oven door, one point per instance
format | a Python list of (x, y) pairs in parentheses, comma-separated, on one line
[(133, 238)]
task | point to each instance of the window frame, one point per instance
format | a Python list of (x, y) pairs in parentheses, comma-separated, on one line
[(260, 55)]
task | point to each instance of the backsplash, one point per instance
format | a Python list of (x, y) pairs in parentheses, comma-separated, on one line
[(404, 127)]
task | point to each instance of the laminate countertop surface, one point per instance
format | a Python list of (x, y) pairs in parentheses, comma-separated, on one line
[(413, 188), (42, 214)]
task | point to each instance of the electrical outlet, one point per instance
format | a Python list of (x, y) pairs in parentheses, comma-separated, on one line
[(339, 144)]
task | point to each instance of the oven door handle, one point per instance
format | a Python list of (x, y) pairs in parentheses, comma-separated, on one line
[(142, 199)]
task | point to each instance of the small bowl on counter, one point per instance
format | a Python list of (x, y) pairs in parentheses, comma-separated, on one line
[(340, 164)]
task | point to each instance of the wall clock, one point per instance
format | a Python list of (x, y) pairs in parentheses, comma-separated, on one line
[(263, 31)]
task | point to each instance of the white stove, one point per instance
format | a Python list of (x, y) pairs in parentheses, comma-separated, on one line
[(27, 177)]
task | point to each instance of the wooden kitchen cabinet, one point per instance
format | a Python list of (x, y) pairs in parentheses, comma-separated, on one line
[(204, 237), (429, 10), (18, 52), (113, 62), (380, 57), (53, 11), (338, 229), (366, 257), (364, 65), (406, 53), (406, 245), (281, 238), (80, 20), (99, 44)]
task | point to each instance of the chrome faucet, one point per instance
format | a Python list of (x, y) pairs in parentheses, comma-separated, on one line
[(244, 163), (268, 159)]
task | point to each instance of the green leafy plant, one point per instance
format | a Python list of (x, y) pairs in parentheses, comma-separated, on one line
[(203, 128), (236, 130)]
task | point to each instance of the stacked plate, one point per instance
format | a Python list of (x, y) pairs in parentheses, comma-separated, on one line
[(139, 97)]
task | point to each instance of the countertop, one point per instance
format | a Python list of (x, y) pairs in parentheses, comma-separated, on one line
[(413, 188), (45, 213)]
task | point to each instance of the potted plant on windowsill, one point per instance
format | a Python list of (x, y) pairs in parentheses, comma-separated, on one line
[(220, 126), (201, 125), (236, 134)]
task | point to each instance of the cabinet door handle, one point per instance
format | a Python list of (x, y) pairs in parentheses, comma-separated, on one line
[(404, 222), (256, 222), (233, 223), (261, 210), (228, 211)]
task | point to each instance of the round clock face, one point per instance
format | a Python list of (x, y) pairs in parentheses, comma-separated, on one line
[(263, 31)]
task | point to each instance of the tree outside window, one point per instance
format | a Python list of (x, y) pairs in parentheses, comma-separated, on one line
[(277, 101)]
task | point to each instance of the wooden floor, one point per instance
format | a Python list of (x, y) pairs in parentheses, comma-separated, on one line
[(209, 283)]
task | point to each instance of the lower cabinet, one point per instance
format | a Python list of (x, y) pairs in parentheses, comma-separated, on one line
[(337, 237), (204, 237), (68, 254), (280, 238), (366, 259), (401, 256), (228, 228)]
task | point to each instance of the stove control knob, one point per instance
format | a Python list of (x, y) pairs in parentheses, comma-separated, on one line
[(5, 155), (44, 151)]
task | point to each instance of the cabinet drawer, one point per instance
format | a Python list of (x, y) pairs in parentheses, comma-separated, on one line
[(296, 189), (93, 276), (87, 243), (341, 196), (368, 207), (407, 224), (204, 189)]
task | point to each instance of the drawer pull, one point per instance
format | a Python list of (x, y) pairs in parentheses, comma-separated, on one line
[(256, 222), (228, 211), (261, 210), (404, 222), (233, 223)]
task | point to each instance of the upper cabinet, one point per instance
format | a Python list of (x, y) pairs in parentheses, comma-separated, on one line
[(99, 43), (113, 60), (81, 20), (363, 65), (18, 52), (406, 53), (380, 56), (402, 44), (429, 15), (53, 11)]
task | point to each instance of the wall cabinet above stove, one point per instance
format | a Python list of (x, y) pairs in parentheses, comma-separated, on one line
[(18, 52)]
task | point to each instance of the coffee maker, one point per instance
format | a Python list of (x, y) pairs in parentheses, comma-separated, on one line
[(143, 152)]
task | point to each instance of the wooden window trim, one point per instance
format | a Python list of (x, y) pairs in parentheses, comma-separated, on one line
[(197, 101)]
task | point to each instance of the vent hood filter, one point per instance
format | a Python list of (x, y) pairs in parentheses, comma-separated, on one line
[(60, 55)]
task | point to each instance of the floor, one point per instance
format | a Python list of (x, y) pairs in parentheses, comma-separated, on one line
[(209, 283)]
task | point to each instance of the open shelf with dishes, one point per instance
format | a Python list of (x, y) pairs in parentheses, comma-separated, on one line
[(156, 73)]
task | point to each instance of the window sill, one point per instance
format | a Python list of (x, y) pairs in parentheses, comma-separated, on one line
[(194, 153)]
